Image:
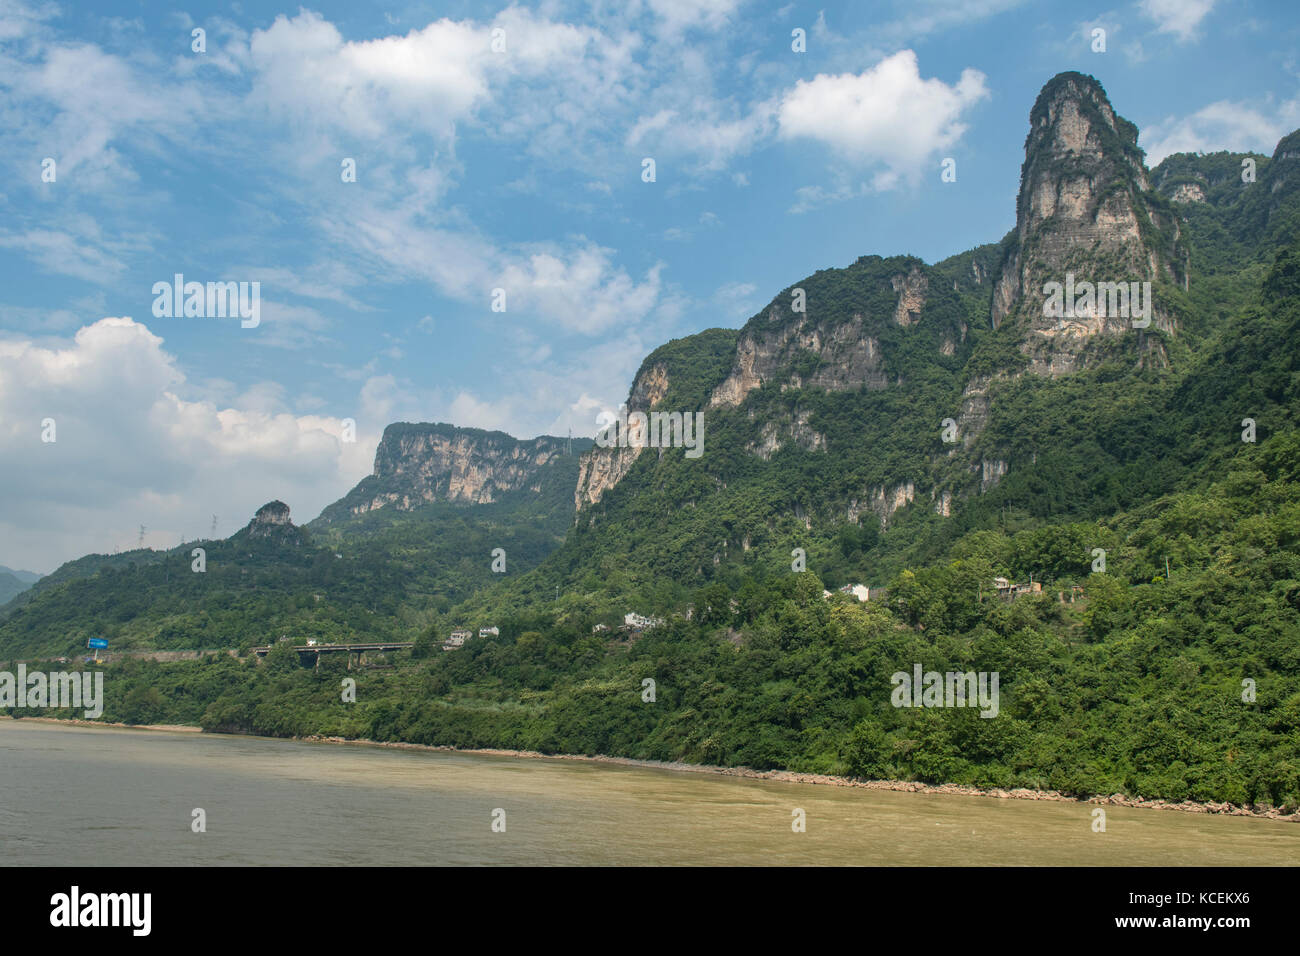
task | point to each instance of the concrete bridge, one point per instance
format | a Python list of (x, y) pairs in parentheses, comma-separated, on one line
[(349, 649)]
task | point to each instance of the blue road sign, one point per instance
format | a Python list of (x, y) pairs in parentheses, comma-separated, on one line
[(97, 642)]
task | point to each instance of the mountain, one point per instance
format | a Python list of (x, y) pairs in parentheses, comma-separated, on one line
[(419, 463), (825, 416), (410, 540), (10, 586), (26, 577), (871, 414), (921, 428), (13, 582)]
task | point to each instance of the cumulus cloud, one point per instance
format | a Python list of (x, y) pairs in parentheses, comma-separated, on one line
[(427, 79), (1224, 125), (133, 446), (581, 290), (887, 117)]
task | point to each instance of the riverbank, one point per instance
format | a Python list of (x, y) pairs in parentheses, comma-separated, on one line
[(79, 722), (901, 786), (781, 776)]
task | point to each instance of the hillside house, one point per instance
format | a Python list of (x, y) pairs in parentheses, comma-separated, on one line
[(457, 639), (1009, 591), (859, 591), (638, 622)]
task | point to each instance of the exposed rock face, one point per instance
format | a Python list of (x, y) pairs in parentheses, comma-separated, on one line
[(991, 472), (602, 468), (272, 523), (883, 502), (1188, 192), (417, 464), (911, 290), (974, 410), (796, 430), (270, 515), (1083, 209), (849, 355), (943, 503)]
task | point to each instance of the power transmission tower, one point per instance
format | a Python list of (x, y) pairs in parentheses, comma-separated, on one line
[(213, 536), (140, 543)]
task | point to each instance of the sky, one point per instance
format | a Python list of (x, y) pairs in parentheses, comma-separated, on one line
[(450, 212)]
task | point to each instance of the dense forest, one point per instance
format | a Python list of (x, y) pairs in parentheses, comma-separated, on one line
[(1136, 687)]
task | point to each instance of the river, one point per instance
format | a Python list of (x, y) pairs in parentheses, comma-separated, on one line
[(81, 796)]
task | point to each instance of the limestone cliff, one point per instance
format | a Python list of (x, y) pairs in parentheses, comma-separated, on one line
[(416, 464), (1085, 209), (602, 468), (848, 355)]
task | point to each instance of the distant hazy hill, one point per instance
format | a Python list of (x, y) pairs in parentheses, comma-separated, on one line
[(15, 582)]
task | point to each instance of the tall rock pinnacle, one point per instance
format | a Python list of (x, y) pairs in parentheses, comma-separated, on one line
[(1085, 210)]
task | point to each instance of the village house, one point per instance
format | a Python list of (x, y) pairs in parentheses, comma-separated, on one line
[(1009, 591), (457, 639), (493, 631), (638, 622), (859, 591)]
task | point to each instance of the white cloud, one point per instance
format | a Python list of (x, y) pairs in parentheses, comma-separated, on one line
[(581, 290), (704, 133), (1179, 17), (678, 15), (133, 449), (738, 300), (575, 284), (1234, 126), (60, 253), (887, 116), (427, 79), (79, 100)]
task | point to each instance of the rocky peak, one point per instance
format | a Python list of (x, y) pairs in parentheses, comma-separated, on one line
[(272, 513), (272, 522), (1084, 209)]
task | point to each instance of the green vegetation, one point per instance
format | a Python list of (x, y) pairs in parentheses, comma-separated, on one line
[(1135, 688)]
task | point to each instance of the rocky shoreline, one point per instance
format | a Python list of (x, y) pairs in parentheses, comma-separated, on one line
[(901, 786), (781, 776)]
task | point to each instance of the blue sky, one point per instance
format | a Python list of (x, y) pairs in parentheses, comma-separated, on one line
[(517, 168)]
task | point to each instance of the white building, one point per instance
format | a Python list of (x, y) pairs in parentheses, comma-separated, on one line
[(493, 631), (457, 639), (639, 622)]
